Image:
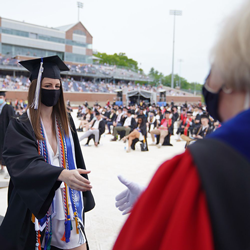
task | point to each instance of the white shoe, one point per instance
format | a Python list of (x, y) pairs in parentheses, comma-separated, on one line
[(159, 145)]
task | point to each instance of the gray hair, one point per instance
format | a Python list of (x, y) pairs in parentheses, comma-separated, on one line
[(231, 53)]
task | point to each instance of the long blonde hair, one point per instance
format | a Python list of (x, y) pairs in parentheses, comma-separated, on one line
[(59, 111)]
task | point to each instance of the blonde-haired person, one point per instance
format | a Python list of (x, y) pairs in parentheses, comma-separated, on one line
[(200, 199), (49, 190)]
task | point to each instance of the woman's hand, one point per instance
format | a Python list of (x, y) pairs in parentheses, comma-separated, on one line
[(74, 179)]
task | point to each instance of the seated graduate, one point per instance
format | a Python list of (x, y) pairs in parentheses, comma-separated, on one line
[(152, 121), (97, 128), (85, 122), (199, 200), (197, 119), (204, 129), (140, 133), (128, 125), (186, 126), (183, 114), (111, 119), (175, 114), (141, 113), (165, 128), (199, 132), (47, 193), (118, 121)]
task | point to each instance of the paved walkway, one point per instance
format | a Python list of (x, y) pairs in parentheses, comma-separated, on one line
[(107, 161)]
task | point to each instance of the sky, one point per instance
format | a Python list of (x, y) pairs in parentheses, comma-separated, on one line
[(143, 29)]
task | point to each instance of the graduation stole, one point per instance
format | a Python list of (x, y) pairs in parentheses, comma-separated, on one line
[(187, 126), (66, 162), (183, 117), (169, 122)]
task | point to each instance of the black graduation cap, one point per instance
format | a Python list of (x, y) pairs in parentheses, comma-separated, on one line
[(43, 67), (205, 116), (190, 112), (52, 66), (2, 93)]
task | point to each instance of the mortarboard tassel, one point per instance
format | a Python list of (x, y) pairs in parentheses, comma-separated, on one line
[(38, 87)]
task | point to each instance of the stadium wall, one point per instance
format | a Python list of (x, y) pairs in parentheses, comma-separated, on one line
[(91, 98)]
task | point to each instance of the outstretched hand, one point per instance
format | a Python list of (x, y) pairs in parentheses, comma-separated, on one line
[(74, 179), (126, 199)]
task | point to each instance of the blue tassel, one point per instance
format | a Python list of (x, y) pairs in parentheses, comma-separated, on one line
[(67, 229), (46, 240)]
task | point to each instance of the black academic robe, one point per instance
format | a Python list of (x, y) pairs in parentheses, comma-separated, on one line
[(101, 128), (6, 115), (197, 202), (113, 117), (175, 117), (203, 133), (32, 185)]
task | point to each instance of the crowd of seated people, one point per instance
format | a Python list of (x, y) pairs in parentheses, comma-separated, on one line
[(88, 69), (86, 86), (136, 123)]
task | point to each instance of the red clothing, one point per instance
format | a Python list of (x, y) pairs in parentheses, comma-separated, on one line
[(183, 116), (166, 123), (171, 214)]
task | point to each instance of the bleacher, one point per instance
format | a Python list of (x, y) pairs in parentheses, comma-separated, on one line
[(93, 71)]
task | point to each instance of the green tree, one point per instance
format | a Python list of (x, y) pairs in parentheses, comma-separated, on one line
[(120, 60)]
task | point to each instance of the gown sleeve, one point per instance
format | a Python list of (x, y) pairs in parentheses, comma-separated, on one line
[(34, 180), (171, 214)]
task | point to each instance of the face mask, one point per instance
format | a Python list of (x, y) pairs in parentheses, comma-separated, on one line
[(1, 101), (50, 96), (212, 102)]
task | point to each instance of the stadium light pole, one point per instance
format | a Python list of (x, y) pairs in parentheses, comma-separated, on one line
[(174, 13), (80, 6), (180, 73)]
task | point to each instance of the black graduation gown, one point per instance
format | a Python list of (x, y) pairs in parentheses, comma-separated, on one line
[(6, 115), (175, 117), (32, 185), (101, 131), (203, 133)]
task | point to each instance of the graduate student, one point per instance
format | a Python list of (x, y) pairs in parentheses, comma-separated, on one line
[(49, 190), (6, 114), (200, 131), (201, 198)]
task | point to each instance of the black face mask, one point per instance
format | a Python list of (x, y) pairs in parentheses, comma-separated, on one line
[(212, 102), (50, 96)]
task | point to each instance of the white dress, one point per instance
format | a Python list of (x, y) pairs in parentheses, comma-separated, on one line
[(58, 219)]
